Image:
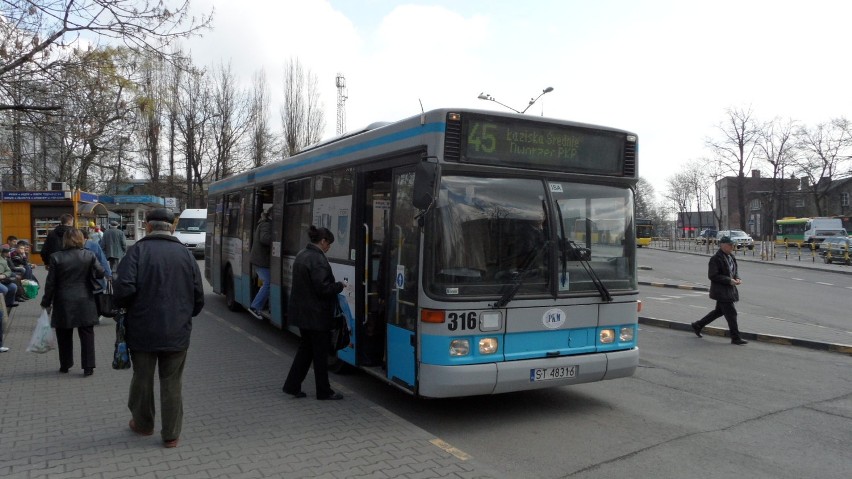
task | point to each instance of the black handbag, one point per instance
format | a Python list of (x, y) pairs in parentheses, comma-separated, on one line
[(105, 301), (340, 335)]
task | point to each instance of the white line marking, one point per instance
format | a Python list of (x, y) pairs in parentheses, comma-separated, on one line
[(825, 284), (797, 279)]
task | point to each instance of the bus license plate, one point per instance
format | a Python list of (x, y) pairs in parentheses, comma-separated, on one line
[(546, 374)]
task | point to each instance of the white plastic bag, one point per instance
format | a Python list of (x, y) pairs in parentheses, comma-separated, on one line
[(44, 337)]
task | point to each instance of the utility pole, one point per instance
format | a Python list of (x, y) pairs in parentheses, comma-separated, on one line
[(341, 103)]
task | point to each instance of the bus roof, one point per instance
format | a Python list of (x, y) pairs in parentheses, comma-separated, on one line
[(372, 140)]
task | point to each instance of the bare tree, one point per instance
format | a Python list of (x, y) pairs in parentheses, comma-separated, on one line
[(194, 113), (151, 99), (230, 122), (680, 192), (777, 149), (302, 117), (262, 141), (824, 152), (735, 149), (78, 142), (39, 37)]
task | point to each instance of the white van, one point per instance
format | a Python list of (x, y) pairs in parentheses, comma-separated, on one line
[(190, 230), (818, 229)]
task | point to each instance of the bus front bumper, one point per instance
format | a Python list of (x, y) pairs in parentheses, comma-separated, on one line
[(494, 378)]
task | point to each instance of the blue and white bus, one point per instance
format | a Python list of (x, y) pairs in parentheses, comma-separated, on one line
[(488, 252)]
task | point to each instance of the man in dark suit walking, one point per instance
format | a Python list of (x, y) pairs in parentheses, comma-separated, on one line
[(724, 278)]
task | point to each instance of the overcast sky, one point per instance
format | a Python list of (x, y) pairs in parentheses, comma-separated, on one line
[(666, 70)]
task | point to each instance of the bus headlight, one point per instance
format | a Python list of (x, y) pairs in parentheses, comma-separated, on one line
[(607, 336), (459, 347), (487, 345), (626, 334)]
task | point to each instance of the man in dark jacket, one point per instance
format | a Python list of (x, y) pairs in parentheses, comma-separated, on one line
[(260, 260), (53, 242), (114, 244), (724, 279), (158, 325)]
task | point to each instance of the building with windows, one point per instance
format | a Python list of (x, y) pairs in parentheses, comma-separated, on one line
[(766, 200)]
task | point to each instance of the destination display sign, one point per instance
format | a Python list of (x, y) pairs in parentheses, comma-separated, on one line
[(531, 144)]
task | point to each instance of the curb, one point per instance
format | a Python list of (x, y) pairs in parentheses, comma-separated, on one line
[(758, 337), (676, 286)]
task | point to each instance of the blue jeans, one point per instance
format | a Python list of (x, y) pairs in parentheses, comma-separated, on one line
[(259, 302), (9, 290)]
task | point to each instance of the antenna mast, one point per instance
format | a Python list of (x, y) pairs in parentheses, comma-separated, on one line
[(341, 104)]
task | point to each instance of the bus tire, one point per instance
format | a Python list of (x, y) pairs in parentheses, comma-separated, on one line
[(230, 299)]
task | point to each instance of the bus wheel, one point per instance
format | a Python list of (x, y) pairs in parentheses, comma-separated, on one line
[(230, 300)]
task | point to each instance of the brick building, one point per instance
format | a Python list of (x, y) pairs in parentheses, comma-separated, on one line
[(769, 199)]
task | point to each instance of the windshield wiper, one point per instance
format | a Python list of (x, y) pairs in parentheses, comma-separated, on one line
[(583, 256), (520, 276)]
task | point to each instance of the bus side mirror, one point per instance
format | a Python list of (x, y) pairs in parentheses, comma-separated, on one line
[(425, 177)]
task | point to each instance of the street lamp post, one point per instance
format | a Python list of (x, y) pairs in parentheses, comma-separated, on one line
[(486, 96)]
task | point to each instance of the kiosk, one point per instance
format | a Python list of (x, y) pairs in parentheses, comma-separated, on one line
[(31, 215)]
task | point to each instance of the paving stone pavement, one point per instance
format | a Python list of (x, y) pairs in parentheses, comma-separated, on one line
[(237, 422)]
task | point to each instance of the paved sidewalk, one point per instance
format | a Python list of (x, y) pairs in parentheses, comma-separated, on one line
[(237, 424), (758, 329)]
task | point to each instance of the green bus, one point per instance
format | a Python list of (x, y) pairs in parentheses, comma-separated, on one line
[(791, 231)]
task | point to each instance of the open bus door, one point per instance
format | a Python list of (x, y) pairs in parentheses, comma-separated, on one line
[(387, 336), (403, 260)]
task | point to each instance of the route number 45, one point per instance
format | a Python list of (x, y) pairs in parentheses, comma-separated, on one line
[(481, 137)]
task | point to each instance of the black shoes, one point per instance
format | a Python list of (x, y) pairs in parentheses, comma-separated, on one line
[(332, 397), (296, 395), (739, 341), (63, 370), (697, 330), (88, 372)]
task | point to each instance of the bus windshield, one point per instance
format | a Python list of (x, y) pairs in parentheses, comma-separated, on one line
[(493, 232)]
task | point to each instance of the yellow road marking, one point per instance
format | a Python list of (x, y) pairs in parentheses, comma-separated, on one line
[(452, 450)]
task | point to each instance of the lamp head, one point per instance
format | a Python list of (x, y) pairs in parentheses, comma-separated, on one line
[(484, 96), (547, 90)]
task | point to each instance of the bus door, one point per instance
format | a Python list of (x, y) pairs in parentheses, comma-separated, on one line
[(370, 333), (402, 271), (213, 243)]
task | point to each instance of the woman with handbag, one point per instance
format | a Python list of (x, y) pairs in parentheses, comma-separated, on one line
[(69, 295), (311, 309)]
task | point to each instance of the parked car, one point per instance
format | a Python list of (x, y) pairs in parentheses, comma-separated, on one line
[(837, 250), (740, 238), (827, 244), (707, 235)]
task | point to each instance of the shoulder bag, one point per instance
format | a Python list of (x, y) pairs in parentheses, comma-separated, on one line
[(106, 301), (340, 335)]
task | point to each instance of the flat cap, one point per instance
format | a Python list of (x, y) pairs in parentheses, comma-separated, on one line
[(726, 240), (160, 214)]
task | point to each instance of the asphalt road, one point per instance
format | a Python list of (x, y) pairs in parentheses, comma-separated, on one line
[(804, 303), (695, 408)]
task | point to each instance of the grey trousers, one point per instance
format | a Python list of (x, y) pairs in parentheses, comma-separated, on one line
[(141, 401)]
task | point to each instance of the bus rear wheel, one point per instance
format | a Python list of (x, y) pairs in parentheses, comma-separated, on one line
[(230, 299)]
